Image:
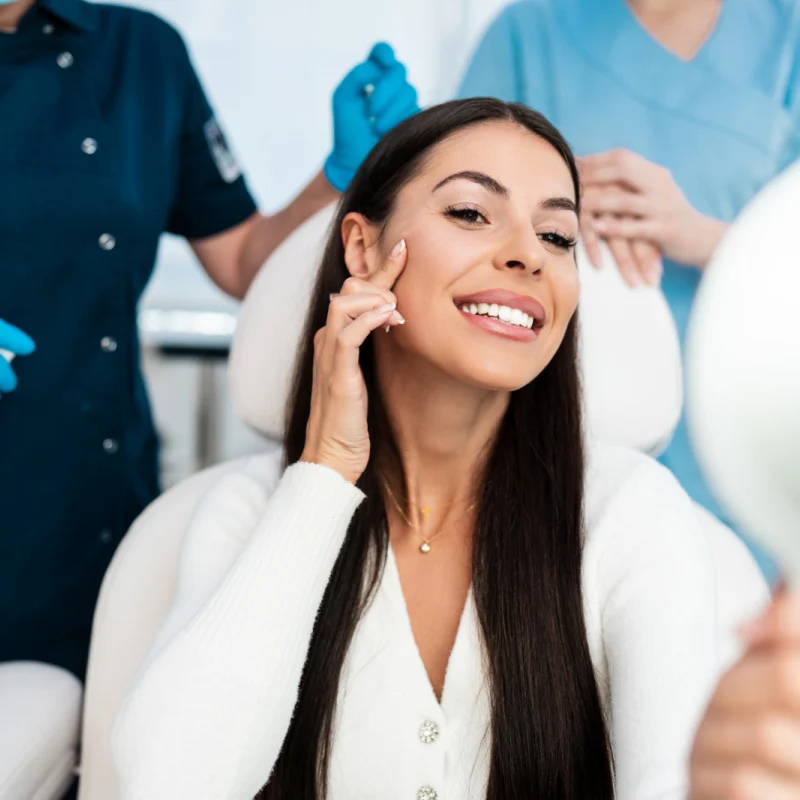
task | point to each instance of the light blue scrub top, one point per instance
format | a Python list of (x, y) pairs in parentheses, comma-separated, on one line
[(724, 123)]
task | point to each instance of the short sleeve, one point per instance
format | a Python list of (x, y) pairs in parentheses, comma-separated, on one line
[(211, 194), (494, 70)]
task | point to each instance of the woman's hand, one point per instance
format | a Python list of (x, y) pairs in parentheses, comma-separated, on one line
[(638, 261), (748, 745), (337, 435), (628, 197)]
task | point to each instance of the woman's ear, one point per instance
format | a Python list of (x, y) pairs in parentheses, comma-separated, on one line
[(360, 239)]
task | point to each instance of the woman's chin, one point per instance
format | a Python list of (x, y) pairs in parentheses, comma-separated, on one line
[(496, 377)]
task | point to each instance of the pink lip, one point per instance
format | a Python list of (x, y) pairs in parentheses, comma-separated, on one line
[(502, 297), (492, 325)]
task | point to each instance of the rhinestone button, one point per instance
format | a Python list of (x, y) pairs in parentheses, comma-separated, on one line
[(65, 60), (426, 793), (428, 732), (111, 446), (108, 344), (48, 29), (107, 241), (89, 146)]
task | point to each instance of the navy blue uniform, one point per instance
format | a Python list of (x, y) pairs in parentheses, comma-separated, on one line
[(106, 141)]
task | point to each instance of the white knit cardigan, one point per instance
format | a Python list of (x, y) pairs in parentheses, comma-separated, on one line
[(210, 709)]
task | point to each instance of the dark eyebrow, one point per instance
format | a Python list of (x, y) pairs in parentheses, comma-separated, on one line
[(559, 204), (495, 187)]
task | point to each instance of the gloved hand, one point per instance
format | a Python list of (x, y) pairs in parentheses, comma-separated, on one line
[(361, 115), (15, 343)]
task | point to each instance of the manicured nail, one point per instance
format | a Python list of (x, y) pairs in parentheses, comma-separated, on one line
[(398, 318), (388, 328), (601, 226), (387, 307), (398, 249)]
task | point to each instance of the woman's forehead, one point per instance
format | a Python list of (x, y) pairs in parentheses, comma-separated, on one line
[(509, 153)]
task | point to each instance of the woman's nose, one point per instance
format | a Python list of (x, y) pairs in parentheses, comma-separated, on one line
[(523, 252)]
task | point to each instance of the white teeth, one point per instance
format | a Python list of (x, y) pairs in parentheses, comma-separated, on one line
[(512, 316)]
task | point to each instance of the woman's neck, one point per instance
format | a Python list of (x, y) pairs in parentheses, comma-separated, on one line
[(442, 429), (680, 26), (12, 13)]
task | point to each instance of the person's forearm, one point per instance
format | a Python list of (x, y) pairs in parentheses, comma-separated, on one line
[(267, 232), (207, 717)]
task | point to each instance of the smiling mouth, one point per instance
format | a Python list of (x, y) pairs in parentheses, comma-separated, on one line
[(513, 317)]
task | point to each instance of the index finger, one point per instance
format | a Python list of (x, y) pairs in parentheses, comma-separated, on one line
[(15, 340), (389, 271), (613, 166)]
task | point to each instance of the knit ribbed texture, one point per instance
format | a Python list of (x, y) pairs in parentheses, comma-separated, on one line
[(245, 649)]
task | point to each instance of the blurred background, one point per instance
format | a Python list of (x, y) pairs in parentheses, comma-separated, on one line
[(270, 69)]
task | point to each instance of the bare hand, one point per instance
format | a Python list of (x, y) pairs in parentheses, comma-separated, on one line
[(337, 435), (638, 261), (748, 745), (629, 197)]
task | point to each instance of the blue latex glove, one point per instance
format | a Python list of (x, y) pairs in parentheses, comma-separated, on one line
[(12, 340), (361, 116)]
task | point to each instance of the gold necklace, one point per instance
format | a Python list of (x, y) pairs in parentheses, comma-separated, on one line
[(425, 542)]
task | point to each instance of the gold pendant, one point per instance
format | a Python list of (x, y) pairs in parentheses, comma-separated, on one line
[(425, 547)]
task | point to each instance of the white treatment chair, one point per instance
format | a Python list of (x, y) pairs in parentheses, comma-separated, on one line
[(629, 344), (40, 711)]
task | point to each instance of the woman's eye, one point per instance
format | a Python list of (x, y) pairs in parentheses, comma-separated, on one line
[(558, 241), (469, 215)]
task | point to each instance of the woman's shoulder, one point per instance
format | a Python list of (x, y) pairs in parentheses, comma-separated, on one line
[(526, 15), (630, 499), (247, 486)]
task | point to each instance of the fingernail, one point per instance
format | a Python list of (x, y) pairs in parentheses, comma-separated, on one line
[(398, 318), (600, 225), (398, 249), (387, 307), (388, 328)]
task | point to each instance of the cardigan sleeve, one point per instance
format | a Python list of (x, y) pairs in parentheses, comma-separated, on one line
[(207, 716)]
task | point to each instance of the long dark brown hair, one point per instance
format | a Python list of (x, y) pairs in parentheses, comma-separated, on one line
[(548, 736)]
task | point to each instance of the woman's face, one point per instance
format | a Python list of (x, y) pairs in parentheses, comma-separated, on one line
[(490, 284)]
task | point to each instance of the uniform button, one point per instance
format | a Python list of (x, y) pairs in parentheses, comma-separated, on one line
[(110, 446), (108, 344), (426, 793), (48, 29), (105, 536), (89, 146), (428, 732), (65, 60), (107, 241)]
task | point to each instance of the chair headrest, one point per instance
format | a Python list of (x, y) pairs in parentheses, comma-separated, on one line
[(630, 355)]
